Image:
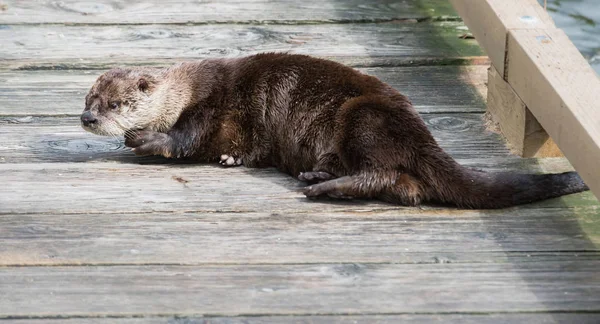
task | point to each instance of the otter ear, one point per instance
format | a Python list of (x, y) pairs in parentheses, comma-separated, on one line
[(143, 84)]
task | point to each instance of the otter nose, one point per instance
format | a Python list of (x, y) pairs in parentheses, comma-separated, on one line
[(87, 118)]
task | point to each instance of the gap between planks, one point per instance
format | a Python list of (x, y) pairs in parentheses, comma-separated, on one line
[(355, 61), (505, 257), (265, 22), (474, 317), (458, 318)]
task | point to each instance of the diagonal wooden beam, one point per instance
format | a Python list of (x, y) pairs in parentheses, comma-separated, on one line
[(491, 20), (546, 71)]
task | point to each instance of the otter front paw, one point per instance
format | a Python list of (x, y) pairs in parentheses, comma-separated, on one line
[(315, 176), (229, 160), (145, 143)]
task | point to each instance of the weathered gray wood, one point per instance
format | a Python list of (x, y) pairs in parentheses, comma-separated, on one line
[(114, 187), (248, 242), (356, 61), (61, 139), (80, 46), (436, 89), (218, 11), (409, 235), (567, 285), (538, 318)]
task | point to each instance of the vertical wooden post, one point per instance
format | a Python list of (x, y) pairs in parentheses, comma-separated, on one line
[(524, 134)]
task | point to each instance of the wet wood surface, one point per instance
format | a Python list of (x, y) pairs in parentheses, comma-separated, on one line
[(89, 233)]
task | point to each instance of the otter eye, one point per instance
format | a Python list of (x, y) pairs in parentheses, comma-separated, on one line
[(114, 105)]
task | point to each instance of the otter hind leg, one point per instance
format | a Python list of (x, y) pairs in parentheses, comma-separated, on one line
[(378, 142), (406, 191), (390, 186)]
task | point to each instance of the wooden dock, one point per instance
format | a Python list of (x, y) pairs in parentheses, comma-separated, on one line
[(89, 233)]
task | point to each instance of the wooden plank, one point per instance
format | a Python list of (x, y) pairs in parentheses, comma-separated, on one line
[(563, 93), (522, 131), (57, 46), (580, 318), (130, 188), (61, 139), (356, 61), (215, 12), (436, 89), (299, 235), (490, 21), (350, 289)]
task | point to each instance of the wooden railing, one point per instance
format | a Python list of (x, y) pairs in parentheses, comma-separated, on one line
[(539, 83)]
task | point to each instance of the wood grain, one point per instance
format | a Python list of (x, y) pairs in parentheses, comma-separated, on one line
[(218, 11), (524, 134), (129, 188), (82, 46), (61, 139), (438, 89), (491, 20), (298, 235), (349, 288), (548, 318), (119, 239)]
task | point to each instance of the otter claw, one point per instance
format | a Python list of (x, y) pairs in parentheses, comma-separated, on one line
[(228, 160)]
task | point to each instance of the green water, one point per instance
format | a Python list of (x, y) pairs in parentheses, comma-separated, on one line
[(580, 19)]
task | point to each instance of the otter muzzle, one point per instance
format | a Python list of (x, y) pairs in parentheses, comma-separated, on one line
[(87, 118)]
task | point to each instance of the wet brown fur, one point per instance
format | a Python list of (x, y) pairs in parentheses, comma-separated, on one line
[(349, 134)]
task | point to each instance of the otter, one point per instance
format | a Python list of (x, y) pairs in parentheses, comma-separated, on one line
[(346, 134)]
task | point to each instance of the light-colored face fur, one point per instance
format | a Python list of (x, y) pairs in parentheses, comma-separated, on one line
[(124, 99)]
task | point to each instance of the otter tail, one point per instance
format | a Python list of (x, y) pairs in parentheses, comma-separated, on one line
[(449, 182)]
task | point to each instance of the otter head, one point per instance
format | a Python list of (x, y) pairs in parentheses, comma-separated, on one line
[(123, 99)]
